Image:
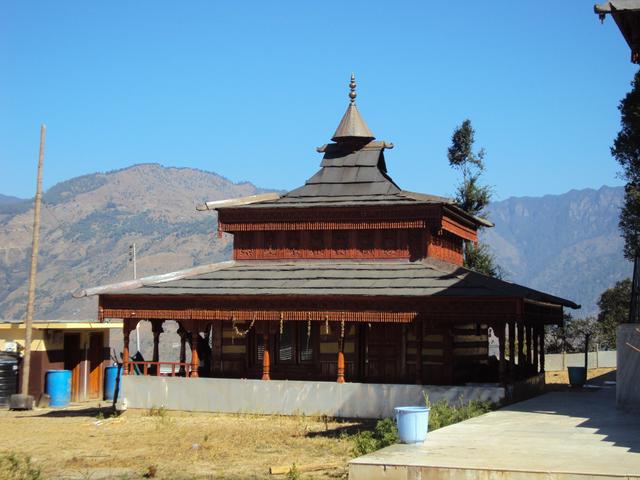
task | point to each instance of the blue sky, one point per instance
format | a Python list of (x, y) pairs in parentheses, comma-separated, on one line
[(249, 89)]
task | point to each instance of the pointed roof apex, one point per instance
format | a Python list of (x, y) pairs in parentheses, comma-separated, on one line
[(352, 126)]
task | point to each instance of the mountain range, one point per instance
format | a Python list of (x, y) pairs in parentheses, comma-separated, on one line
[(566, 244)]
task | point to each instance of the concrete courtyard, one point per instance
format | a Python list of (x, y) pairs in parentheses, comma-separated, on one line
[(570, 434)]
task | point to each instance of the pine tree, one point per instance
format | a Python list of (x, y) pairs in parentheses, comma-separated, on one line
[(471, 195), (626, 150)]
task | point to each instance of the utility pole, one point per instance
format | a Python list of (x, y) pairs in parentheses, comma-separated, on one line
[(26, 365), (132, 258)]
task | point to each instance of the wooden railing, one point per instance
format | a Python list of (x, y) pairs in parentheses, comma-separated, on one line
[(153, 368)]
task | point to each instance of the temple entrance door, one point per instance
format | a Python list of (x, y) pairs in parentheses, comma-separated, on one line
[(383, 353)]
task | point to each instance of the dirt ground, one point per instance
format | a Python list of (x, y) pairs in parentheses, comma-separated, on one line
[(79, 443), (561, 377), (76, 443)]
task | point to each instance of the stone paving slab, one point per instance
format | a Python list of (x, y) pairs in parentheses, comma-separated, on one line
[(574, 434)]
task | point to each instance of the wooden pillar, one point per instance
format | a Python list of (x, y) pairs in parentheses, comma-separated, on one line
[(529, 351), (340, 378), (502, 369), (194, 351), (512, 350), (541, 349), (521, 358), (419, 341), (536, 335), (125, 348), (156, 328), (183, 350), (448, 354), (266, 359)]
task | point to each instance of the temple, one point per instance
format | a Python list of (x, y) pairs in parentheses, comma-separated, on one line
[(348, 278)]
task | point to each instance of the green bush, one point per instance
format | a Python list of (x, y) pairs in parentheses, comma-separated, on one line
[(14, 466), (383, 435), (442, 413)]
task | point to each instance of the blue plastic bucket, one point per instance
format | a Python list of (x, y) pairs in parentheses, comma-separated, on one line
[(58, 387), (112, 377), (413, 423)]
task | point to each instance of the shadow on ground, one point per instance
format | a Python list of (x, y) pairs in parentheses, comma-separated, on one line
[(90, 412), (345, 430), (595, 404)]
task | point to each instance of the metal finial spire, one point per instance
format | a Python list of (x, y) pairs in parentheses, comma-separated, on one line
[(352, 87)]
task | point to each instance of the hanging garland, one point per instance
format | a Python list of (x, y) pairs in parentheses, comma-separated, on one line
[(308, 329), (238, 332), (342, 328), (281, 323), (326, 324)]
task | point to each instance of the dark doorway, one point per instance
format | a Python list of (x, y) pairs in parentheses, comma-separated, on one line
[(73, 361), (96, 345), (382, 353)]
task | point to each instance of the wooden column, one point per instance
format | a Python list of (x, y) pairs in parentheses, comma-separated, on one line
[(125, 347), (419, 341), (521, 358), (183, 349), (340, 378), (536, 335), (216, 362), (266, 359), (542, 349), (502, 369), (448, 354), (156, 328), (194, 352), (529, 351), (512, 350)]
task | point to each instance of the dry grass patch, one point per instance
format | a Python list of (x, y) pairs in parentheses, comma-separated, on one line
[(162, 444)]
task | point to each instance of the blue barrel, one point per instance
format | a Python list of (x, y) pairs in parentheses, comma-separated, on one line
[(577, 376), (413, 423), (112, 377), (58, 387)]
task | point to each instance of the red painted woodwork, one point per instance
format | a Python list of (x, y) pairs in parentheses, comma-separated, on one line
[(347, 244)]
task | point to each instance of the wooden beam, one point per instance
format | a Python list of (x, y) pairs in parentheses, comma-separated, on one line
[(195, 363), (125, 347), (502, 369), (512, 350), (266, 359), (419, 342), (529, 350), (340, 378), (542, 350), (521, 357), (536, 337)]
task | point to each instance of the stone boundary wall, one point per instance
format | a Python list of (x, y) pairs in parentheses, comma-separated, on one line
[(560, 361), (283, 397)]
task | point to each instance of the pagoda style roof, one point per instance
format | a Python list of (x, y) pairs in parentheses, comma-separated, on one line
[(353, 173), (426, 278)]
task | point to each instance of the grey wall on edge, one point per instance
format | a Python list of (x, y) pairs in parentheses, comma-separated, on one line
[(628, 374)]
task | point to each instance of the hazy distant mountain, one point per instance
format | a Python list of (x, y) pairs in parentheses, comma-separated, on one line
[(564, 244), (7, 199), (88, 224), (568, 244)]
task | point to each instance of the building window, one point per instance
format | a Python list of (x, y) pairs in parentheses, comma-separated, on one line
[(286, 343)]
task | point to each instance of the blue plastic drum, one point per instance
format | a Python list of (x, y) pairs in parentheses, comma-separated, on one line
[(413, 423), (112, 377), (58, 387)]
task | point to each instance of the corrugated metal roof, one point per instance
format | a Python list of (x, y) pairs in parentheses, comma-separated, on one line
[(388, 278)]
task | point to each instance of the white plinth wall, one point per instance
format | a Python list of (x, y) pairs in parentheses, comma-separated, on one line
[(283, 397)]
